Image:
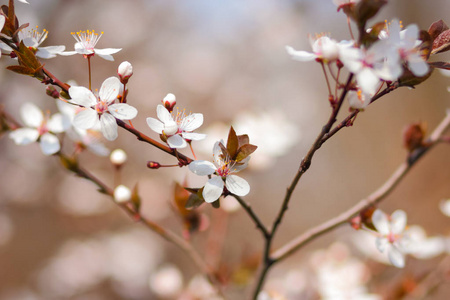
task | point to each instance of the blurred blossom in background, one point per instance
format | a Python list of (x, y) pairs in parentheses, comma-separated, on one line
[(61, 239)]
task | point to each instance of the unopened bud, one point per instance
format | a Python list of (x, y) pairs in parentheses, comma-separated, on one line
[(169, 101), (125, 71), (153, 165), (413, 136), (118, 157), (52, 92), (122, 194)]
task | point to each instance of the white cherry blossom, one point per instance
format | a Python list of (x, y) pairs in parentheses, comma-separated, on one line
[(90, 138), (177, 128), (101, 111), (40, 128), (379, 62), (406, 42), (85, 45), (223, 167), (33, 38), (391, 235)]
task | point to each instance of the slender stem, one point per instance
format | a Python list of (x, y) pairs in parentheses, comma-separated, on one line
[(253, 216), (372, 199), (267, 260), (183, 159), (89, 67)]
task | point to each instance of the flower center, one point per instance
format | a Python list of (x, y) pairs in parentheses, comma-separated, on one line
[(87, 38), (35, 36), (101, 107)]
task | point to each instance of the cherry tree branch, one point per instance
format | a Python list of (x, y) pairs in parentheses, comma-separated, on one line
[(372, 199), (168, 235)]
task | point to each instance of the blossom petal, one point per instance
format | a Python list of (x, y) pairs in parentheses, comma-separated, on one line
[(193, 136), (123, 111), (85, 119), (300, 55), (192, 122), (155, 125), (106, 53), (163, 114), (58, 123), (176, 141), (398, 221), (82, 96), (381, 243), (109, 127), (237, 185), (380, 221), (396, 257), (24, 136), (50, 51), (49, 144), (213, 189), (31, 115), (368, 81), (202, 167), (110, 89), (417, 65)]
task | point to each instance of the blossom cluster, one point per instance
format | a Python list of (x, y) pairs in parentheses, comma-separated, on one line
[(394, 54)]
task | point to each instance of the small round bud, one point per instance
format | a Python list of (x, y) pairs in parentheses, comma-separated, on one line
[(169, 101), (122, 194), (52, 92), (153, 165), (413, 136), (125, 71), (118, 157)]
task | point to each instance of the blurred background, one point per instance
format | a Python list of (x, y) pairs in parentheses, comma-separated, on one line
[(61, 239)]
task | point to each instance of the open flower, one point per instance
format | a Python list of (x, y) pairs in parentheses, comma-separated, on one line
[(379, 62), (86, 41), (40, 128), (406, 42), (101, 110), (391, 235), (223, 167), (32, 38), (176, 128)]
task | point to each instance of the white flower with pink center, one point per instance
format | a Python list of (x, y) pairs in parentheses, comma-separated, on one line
[(40, 128), (101, 111), (406, 42), (176, 127), (85, 45), (392, 236), (379, 62), (223, 167)]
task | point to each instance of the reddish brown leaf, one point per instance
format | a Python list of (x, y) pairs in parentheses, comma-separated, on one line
[(437, 28), (232, 142), (245, 151)]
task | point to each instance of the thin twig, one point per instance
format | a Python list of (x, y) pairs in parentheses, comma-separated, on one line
[(372, 199), (168, 235), (253, 216)]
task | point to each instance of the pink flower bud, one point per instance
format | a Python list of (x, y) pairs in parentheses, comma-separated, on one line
[(125, 71), (153, 165), (169, 102)]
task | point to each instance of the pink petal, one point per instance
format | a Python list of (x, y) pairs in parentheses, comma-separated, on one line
[(85, 119), (155, 125), (123, 111), (381, 222), (49, 144), (31, 115), (82, 96), (24, 136), (176, 141)]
